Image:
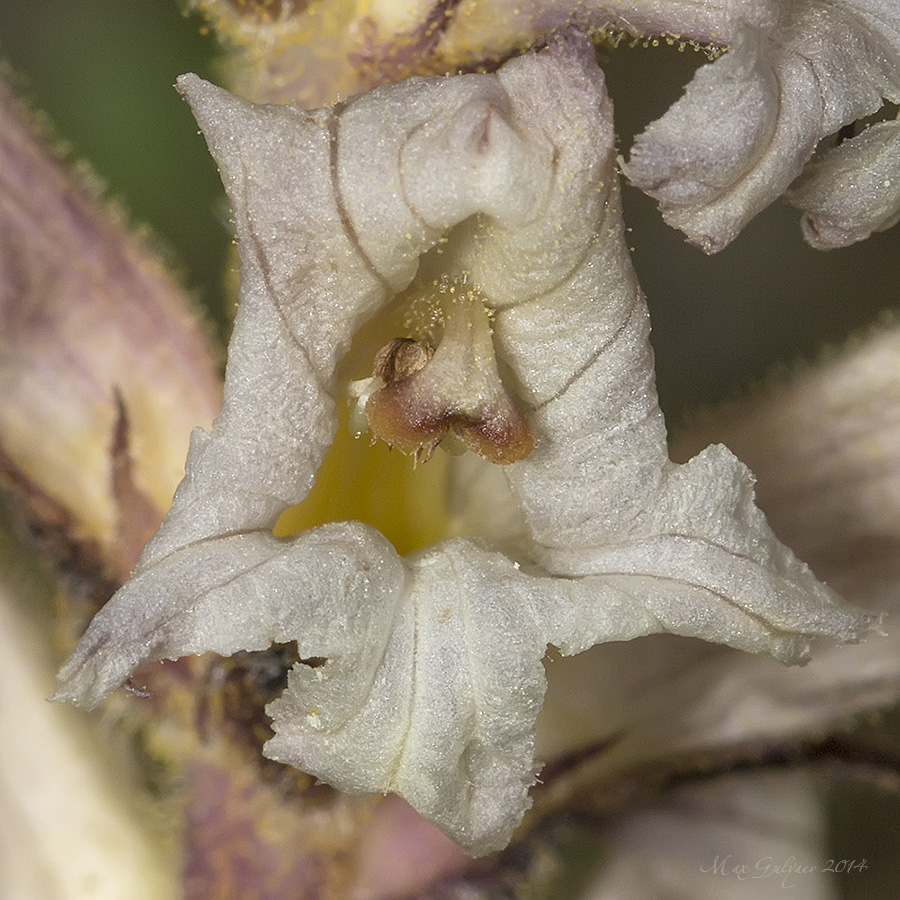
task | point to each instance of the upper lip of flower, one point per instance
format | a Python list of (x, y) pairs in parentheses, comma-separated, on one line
[(433, 680)]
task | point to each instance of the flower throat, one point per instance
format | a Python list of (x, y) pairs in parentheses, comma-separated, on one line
[(430, 378)]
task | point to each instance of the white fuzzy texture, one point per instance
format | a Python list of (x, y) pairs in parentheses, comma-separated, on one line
[(433, 680), (854, 190), (797, 71)]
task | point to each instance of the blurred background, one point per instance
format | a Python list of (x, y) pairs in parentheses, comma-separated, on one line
[(102, 72)]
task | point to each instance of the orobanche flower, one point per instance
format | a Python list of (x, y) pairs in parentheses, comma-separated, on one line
[(476, 218), (103, 367), (854, 190)]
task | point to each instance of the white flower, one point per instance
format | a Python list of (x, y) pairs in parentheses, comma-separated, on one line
[(854, 190), (797, 71), (495, 196)]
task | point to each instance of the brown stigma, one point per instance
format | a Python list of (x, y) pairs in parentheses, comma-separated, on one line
[(456, 387)]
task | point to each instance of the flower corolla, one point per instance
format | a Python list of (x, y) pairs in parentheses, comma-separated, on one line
[(494, 195)]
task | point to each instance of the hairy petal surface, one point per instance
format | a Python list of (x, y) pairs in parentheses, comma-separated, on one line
[(853, 191), (312, 54), (422, 675), (796, 71), (825, 448), (747, 124)]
